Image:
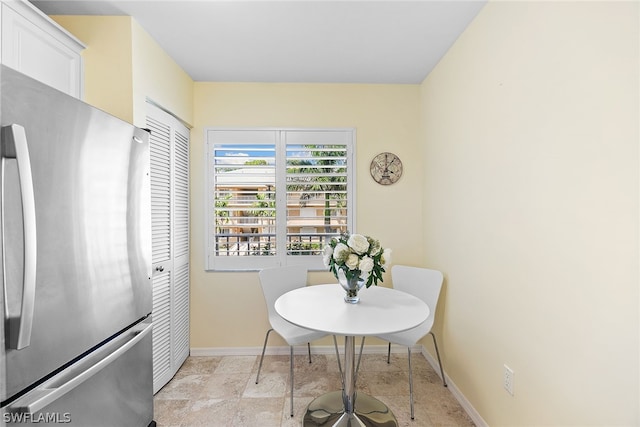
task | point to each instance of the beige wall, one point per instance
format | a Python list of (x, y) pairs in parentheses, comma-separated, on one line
[(530, 146), (108, 81), (124, 66), (227, 309), (157, 77)]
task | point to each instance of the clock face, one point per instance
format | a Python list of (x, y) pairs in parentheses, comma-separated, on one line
[(386, 168)]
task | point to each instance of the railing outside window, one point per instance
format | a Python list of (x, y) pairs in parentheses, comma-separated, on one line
[(258, 244)]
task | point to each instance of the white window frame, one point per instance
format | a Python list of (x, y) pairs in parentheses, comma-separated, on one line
[(310, 136)]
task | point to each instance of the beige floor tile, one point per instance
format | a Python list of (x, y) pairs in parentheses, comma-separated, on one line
[(442, 407), (199, 365), (236, 364), (312, 384), (211, 412), (385, 383), (271, 384), (378, 363), (183, 387), (318, 363), (221, 391), (332, 363), (277, 363), (258, 412), (224, 386), (399, 405), (170, 413)]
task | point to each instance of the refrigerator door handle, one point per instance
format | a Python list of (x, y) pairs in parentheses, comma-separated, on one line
[(63, 383), (14, 146)]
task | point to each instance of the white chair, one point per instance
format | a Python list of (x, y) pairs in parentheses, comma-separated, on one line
[(426, 285), (275, 282)]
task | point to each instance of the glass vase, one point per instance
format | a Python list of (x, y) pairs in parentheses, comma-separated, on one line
[(351, 287)]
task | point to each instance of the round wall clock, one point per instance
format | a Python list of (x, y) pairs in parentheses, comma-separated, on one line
[(386, 168)]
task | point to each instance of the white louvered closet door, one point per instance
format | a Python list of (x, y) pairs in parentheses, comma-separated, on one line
[(170, 242)]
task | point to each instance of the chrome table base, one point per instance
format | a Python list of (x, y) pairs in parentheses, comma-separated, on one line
[(328, 410), (347, 408)]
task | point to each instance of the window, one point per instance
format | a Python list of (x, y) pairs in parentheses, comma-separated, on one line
[(276, 196)]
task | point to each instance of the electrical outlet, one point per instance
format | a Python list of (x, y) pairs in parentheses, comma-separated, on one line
[(508, 379)]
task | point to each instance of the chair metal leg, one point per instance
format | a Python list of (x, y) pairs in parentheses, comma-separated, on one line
[(309, 350), (264, 347), (291, 375), (410, 382), (335, 344), (355, 376), (389, 354), (360, 356), (435, 344)]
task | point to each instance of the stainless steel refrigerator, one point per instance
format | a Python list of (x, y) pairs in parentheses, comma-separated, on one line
[(76, 262)]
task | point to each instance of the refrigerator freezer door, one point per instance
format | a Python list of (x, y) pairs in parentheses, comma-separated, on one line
[(110, 388), (90, 176)]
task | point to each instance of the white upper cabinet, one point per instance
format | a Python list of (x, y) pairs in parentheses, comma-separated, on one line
[(37, 46)]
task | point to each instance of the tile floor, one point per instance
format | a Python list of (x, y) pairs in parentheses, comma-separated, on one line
[(221, 391)]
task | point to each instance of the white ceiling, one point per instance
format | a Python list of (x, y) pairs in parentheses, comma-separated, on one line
[(294, 41)]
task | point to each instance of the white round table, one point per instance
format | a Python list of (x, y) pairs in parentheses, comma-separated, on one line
[(380, 311)]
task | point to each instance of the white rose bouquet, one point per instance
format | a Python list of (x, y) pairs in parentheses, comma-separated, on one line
[(357, 256)]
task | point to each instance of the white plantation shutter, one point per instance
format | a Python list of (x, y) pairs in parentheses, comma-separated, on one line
[(275, 197), (170, 241), (242, 205), (318, 186)]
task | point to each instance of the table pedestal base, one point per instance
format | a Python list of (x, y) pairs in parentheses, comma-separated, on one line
[(328, 410)]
